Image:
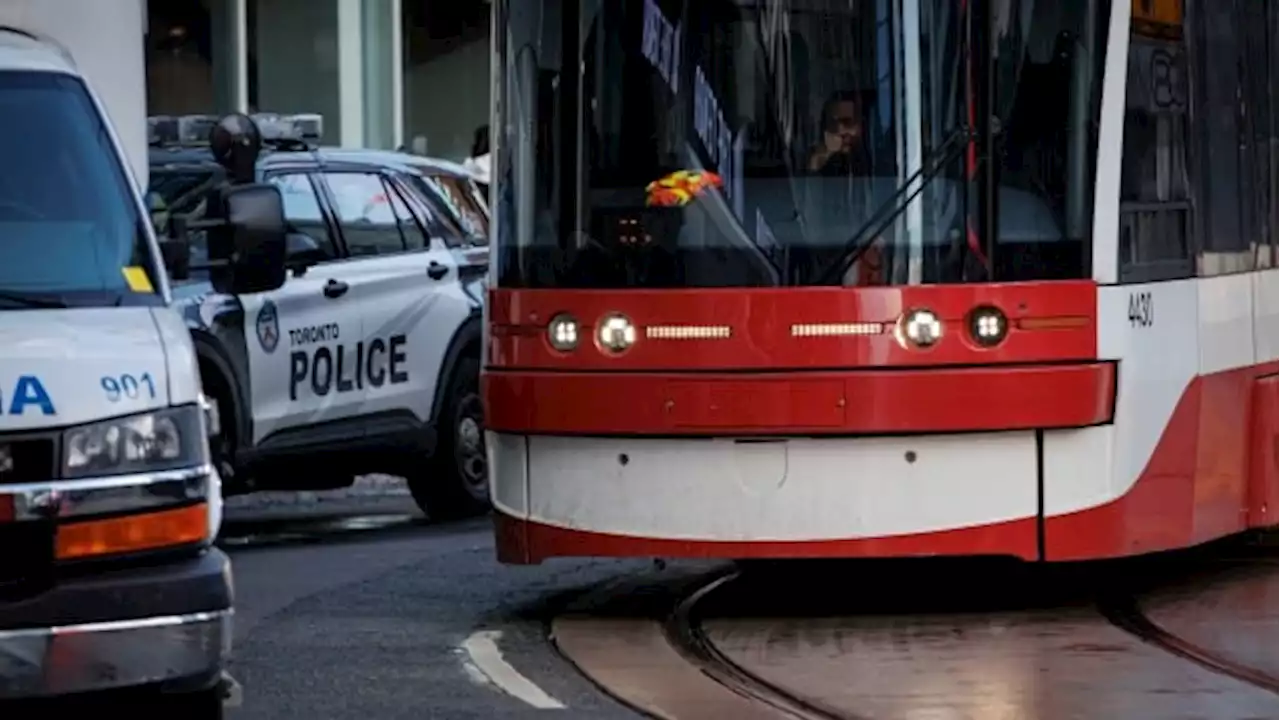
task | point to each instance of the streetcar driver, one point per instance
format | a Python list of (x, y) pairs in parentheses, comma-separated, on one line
[(842, 153), (842, 150)]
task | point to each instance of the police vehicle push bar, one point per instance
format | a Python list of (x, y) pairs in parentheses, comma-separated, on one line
[(194, 129)]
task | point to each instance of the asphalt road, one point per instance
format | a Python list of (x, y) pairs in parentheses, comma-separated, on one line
[(367, 617)]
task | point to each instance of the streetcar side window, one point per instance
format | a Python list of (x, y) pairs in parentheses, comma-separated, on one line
[(1218, 136), (1262, 128), (1199, 198), (1156, 197)]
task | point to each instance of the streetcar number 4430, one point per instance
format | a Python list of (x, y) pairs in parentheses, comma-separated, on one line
[(1141, 310)]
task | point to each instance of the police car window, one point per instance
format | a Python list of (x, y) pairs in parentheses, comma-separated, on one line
[(302, 209), (369, 224), (462, 200), (414, 237), (70, 225), (179, 190), (446, 222)]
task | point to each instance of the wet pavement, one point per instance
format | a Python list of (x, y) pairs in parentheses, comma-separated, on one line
[(1227, 612), (1049, 665), (357, 607), (361, 609), (945, 640)]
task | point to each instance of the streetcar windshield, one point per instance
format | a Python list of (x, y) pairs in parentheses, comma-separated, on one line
[(755, 143)]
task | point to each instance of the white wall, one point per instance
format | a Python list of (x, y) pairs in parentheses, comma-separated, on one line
[(106, 42)]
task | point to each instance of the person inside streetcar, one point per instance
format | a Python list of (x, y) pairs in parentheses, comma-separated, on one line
[(842, 153), (841, 150)]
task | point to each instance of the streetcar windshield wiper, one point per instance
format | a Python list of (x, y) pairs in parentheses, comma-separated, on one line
[(901, 199), (31, 300)]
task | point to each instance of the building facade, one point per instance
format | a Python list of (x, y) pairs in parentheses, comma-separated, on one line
[(383, 73)]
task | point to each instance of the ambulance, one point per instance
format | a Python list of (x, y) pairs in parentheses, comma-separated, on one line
[(109, 504)]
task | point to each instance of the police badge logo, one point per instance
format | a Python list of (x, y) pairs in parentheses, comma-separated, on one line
[(268, 325)]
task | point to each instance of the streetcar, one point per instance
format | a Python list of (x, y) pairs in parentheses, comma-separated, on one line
[(881, 278)]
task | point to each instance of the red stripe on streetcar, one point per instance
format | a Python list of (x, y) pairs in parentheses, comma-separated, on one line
[(871, 401), (761, 326), (521, 542), (1204, 480)]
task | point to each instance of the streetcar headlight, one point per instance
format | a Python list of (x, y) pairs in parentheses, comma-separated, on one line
[(988, 326), (161, 440), (615, 333), (563, 332), (920, 328)]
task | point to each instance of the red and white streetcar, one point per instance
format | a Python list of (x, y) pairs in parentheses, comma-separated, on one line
[(854, 278)]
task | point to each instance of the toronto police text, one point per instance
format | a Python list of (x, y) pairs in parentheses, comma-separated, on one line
[(344, 369)]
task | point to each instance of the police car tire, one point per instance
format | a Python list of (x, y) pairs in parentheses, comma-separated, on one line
[(224, 443), (439, 488)]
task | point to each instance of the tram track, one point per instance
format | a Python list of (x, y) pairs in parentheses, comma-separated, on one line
[(685, 633), (1124, 613), (672, 661)]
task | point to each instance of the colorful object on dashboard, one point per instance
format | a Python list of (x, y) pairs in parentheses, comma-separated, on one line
[(680, 188)]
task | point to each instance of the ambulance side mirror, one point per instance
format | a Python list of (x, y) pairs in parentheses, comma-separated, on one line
[(251, 240)]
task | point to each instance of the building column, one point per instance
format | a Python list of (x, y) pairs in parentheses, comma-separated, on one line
[(351, 89), (230, 43), (382, 28)]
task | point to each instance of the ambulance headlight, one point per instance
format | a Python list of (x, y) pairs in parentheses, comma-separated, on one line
[(162, 440), (919, 328), (563, 332), (615, 333)]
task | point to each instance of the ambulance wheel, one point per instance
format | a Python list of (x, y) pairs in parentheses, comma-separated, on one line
[(454, 482), (190, 705), (202, 705)]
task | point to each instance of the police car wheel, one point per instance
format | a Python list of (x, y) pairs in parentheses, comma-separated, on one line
[(454, 482), (222, 449), (468, 448)]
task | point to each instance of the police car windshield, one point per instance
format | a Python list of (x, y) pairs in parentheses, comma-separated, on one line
[(181, 192), (70, 229)]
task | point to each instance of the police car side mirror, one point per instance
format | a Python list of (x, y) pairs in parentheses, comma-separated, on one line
[(251, 240)]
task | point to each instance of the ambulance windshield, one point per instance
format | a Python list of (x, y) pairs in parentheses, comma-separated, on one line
[(71, 234)]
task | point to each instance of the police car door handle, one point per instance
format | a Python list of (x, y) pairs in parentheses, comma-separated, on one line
[(335, 288), (435, 270)]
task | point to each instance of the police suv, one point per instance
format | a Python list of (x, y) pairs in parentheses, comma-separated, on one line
[(367, 359)]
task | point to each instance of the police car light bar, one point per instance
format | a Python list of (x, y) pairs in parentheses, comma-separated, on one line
[(180, 129), (194, 129), (162, 130), (301, 127)]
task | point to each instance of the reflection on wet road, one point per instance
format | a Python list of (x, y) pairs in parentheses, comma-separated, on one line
[(1189, 635), (304, 529)]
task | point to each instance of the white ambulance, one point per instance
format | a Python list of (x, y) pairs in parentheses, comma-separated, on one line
[(108, 501)]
